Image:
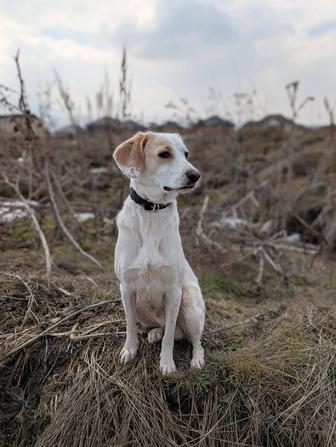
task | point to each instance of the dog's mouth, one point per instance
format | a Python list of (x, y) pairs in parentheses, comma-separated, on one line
[(182, 188)]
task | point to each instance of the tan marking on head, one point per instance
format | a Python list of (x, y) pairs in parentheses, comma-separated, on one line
[(154, 146), (168, 149), (130, 155)]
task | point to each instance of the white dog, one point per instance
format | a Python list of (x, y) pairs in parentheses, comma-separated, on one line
[(158, 287)]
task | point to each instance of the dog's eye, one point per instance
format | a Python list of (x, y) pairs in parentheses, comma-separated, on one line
[(164, 154), (186, 154)]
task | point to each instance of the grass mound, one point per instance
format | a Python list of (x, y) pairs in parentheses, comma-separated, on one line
[(270, 381)]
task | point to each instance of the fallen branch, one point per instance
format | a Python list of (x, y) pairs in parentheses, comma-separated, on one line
[(262, 316), (52, 327), (86, 333), (306, 251), (80, 337)]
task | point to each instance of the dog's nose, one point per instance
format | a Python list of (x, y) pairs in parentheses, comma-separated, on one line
[(193, 175)]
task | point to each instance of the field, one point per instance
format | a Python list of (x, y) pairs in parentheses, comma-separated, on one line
[(260, 233)]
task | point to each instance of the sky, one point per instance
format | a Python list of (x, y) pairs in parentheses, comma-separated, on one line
[(202, 51)]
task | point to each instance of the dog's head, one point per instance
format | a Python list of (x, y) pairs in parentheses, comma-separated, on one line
[(157, 160)]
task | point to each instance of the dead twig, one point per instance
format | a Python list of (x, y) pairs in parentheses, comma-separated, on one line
[(80, 337), (260, 275), (32, 299), (261, 316), (304, 250), (31, 135), (200, 232), (52, 327), (86, 332), (310, 229)]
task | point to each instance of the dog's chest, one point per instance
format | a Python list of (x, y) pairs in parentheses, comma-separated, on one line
[(151, 274), (158, 254), (155, 264)]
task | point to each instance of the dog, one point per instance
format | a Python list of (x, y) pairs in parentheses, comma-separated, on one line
[(157, 285)]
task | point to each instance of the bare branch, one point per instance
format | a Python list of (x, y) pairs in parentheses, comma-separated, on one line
[(61, 223), (47, 255), (200, 232)]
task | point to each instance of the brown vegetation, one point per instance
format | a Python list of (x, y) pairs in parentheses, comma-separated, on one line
[(260, 233)]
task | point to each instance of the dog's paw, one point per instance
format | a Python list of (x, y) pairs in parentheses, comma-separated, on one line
[(167, 367), (197, 361), (155, 335), (128, 353)]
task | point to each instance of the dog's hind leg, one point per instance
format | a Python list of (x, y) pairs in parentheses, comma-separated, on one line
[(155, 335)]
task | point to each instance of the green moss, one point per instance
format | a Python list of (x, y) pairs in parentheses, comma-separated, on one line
[(237, 341), (332, 283), (300, 280), (202, 379), (216, 286), (100, 250), (48, 223), (20, 232), (104, 294), (199, 381), (286, 347)]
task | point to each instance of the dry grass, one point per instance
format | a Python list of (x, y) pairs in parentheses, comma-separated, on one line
[(269, 381)]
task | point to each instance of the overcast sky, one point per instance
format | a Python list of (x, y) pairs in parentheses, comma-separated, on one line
[(177, 48)]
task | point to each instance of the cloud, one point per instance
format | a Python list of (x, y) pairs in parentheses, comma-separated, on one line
[(323, 28), (178, 28), (63, 33), (176, 48)]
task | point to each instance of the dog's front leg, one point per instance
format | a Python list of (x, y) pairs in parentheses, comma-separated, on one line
[(130, 347), (172, 305)]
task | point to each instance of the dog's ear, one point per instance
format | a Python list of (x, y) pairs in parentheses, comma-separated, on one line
[(130, 155)]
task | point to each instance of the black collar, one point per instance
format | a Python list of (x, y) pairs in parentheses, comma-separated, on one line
[(148, 206)]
